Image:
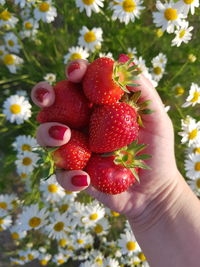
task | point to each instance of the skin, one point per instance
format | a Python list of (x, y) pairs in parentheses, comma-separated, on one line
[(161, 205)]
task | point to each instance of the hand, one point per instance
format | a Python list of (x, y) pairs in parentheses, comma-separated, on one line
[(154, 183)]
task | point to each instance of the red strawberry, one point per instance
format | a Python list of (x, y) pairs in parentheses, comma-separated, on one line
[(74, 155), (108, 177), (70, 107), (105, 80), (112, 127)]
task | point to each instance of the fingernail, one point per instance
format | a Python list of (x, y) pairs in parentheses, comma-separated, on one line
[(79, 180), (72, 67), (57, 132), (40, 94)]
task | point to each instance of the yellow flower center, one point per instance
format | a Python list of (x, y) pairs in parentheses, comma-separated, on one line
[(15, 108), (197, 166), (129, 5), (43, 262), (157, 70), (80, 241), (170, 14), (15, 235), (75, 56), (193, 134), (5, 15), (93, 216), (30, 257), (22, 258), (1, 221), (52, 188), (188, 2), (44, 7), (115, 214), (9, 59), (179, 90), (159, 33), (98, 229), (195, 97), (3, 205), (62, 242), (141, 256), (130, 55), (192, 58), (99, 261), (26, 147), (182, 33), (131, 245), (198, 183), (88, 2), (71, 248), (28, 25), (23, 175), (34, 222), (90, 37), (68, 192), (196, 150), (60, 261), (63, 208), (59, 226), (11, 43), (26, 161)]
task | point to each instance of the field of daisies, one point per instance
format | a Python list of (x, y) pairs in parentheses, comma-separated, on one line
[(40, 223)]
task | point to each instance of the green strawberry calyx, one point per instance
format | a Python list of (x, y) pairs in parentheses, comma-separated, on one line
[(124, 74), (127, 157)]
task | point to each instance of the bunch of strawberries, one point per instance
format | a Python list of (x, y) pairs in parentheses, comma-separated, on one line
[(97, 104)]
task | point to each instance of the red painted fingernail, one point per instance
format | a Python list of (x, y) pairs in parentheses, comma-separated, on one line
[(57, 132), (79, 180), (40, 94), (72, 67)]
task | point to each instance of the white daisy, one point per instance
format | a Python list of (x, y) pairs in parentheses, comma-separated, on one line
[(25, 13), (16, 109), (80, 240), (57, 226), (168, 16), (97, 257), (24, 143), (93, 213), (127, 10), (183, 35), (109, 262), (87, 264), (78, 210), (7, 19), (2, 51), (192, 58), (111, 213), (44, 258), (157, 72), (59, 259), (51, 190), (30, 28), (45, 11), (2, 2), (188, 5), (131, 52), (128, 243), (16, 261), (167, 108), (11, 42), (23, 175), (50, 78), (90, 39), (101, 227), (194, 148), (192, 166), (160, 59), (178, 89), (109, 55), (32, 218), (76, 52), (26, 162), (141, 64), (16, 233), (7, 202), (89, 6), (195, 186), (12, 62), (5, 220), (191, 131), (194, 96), (31, 254)]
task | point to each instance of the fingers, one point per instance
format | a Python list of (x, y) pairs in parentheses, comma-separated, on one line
[(76, 70), (53, 134), (43, 95), (76, 180)]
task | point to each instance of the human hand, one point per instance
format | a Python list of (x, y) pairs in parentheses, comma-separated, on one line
[(154, 183)]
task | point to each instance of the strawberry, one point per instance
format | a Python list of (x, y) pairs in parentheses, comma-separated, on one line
[(112, 127), (105, 80), (70, 107), (108, 177), (74, 155)]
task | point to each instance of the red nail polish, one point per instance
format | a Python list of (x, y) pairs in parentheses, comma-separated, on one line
[(79, 180), (72, 67), (40, 94), (57, 132)]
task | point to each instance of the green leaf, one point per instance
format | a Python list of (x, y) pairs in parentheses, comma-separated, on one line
[(147, 111), (143, 156), (125, 158), (135, 174)]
